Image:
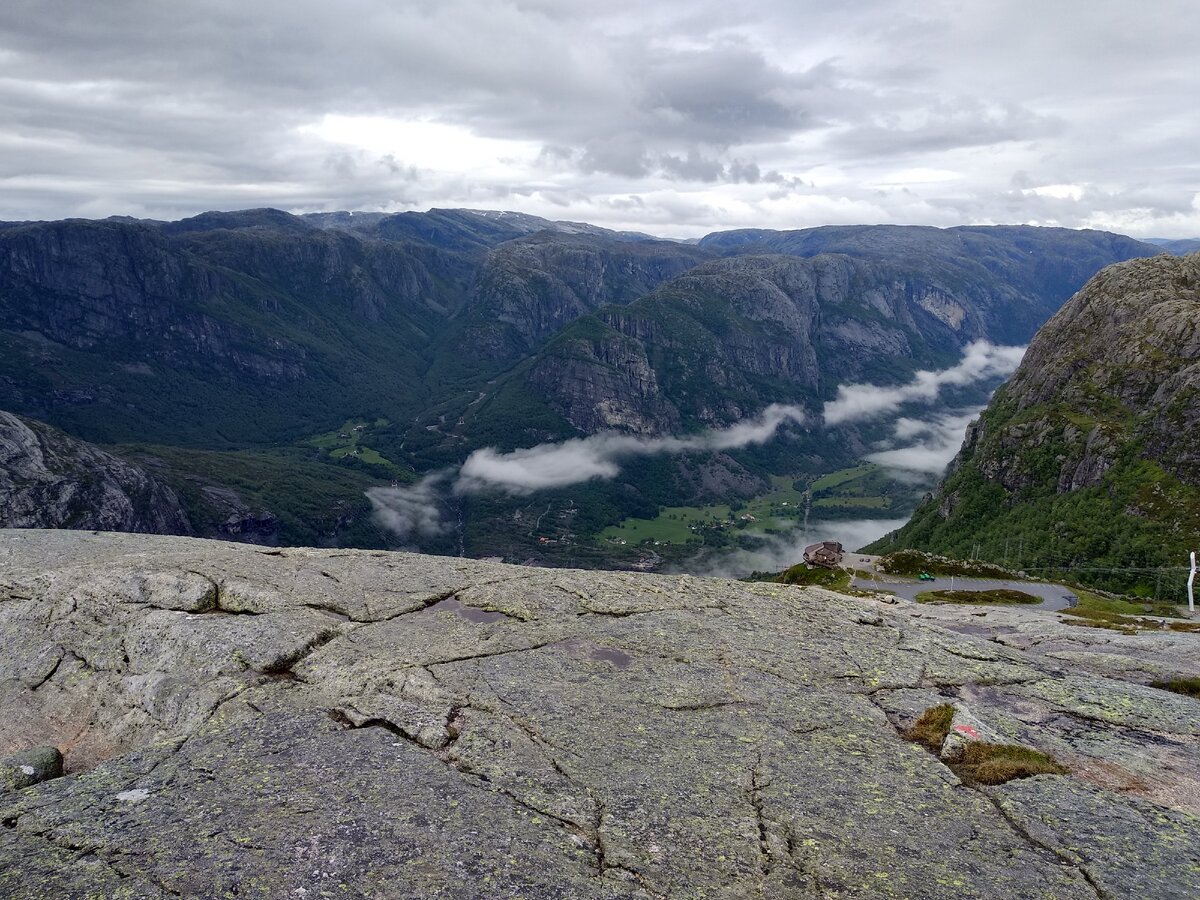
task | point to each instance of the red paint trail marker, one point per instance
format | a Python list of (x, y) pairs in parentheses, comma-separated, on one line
[(967, 730)]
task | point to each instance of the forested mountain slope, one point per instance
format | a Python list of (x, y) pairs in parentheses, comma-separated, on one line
[(394, 345)]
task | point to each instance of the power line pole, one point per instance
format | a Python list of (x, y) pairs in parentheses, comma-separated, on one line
[(1191, 581)]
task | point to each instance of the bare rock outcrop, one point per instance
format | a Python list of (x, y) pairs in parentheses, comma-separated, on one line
[(1087, 458), (293, 723), (51, 480)]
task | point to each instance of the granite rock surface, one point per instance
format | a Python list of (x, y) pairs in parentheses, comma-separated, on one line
[(238, 721)]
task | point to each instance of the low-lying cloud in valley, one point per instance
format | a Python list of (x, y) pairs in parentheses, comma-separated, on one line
[(918, 449), (981, 360), (599, 456), (925, 446), (418, 510), (413, 510)]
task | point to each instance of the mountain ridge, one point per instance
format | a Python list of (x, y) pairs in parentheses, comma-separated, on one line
[(258, 332)]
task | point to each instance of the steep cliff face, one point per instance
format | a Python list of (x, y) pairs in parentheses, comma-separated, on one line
[(234, 329), (1089, 455), (529, 289), (50, 480), (258, 327), (730, 336), (1011, 278), (533, 287), (82, 284)]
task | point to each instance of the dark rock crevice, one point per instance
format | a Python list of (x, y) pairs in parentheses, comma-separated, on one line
[(288, 661), (479, 779), (62, 654), (1061, 853), (487, 654), (754, 794)]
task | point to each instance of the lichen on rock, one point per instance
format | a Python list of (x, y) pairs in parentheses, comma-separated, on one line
[(302, 722)]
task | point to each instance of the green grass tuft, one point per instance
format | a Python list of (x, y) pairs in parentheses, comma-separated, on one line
[(1113, 621), (982, 763), (1189, 687), (996, 597), (931, 729), (1125, 605), (985, 763), (803, 573)]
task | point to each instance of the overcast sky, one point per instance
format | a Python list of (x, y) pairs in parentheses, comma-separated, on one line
[(677, 117)]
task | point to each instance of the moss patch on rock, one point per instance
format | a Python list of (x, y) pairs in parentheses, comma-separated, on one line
[(982, 762), (1124, 624), (996, 597)]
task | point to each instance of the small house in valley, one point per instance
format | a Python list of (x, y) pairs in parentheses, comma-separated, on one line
[(823, 553)]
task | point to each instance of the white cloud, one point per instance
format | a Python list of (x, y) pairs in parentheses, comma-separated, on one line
[(434, 146), (1057, 191), (940, 435), (418, 510), (600, 455), (981, 361), (414, 510)]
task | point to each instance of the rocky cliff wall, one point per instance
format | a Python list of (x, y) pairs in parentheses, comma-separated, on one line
[(50, 480), (1090, 455)]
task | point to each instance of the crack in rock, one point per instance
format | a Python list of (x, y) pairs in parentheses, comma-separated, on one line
[(1060, 853)]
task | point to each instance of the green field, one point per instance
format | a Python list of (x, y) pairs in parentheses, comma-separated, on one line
[(670, 526), (845, 476), (865, 487), (850, 491), (859, 502), (347, 441)]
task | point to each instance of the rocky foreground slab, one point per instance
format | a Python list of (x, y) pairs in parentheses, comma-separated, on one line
[(240, 722)]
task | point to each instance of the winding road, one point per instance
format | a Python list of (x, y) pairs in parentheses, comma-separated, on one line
[(1054, 596)]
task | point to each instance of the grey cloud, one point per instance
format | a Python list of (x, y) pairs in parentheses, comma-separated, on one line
[(694, 167), (724, 94), (747, 172), (616, 155), (941, 125), (768, 114)]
